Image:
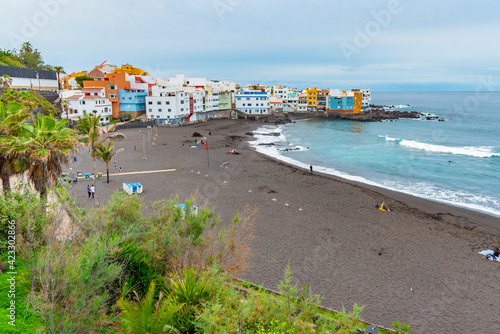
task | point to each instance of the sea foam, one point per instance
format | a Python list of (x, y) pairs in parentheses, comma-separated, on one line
[(474, 151)]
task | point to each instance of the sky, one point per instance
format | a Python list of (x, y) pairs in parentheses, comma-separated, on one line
[(387, 45)]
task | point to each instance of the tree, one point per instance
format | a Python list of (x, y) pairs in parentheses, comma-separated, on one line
[(106, 154), (237, 86), (80, 79), (5, 81), (42, 148), (59, 69), (65, 107), (11, 116), (89, 127), (26, 47)]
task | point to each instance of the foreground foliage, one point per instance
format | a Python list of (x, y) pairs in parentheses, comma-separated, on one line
[(116, 270)]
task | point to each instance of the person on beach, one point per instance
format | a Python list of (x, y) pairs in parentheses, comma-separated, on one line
[(495, 256), (114, 164), (92, 189), (311, 167), (383, 207), (89, 191), (119, 169)]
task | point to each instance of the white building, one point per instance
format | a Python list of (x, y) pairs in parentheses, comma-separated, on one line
[(282, 92), (252, 102), (175, 105), (88, 100), (367, 97), (302, 103)]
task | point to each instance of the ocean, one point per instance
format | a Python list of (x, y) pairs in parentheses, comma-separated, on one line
[(455, 162)]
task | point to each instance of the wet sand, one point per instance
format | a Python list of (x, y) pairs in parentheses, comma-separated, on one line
[(339, 243)]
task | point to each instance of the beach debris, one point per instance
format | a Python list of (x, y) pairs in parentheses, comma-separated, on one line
[(206, 175), (287, 204), (250, 191), (198, 172), (197, 134), (192, 171), (274, 199), (300, 209), (225, 181)]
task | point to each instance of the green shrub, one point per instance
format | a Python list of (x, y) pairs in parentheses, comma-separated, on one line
[(190, 288), (146, 317)]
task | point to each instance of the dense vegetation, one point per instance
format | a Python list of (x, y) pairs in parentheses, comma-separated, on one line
[(118, 271), (28, 99), (26, 57)]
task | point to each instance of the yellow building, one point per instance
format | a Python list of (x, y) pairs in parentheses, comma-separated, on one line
[(358, 101), (312, 98), (66, 79), (131, 70)]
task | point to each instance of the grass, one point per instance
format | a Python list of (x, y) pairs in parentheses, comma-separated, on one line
[(26, 321)]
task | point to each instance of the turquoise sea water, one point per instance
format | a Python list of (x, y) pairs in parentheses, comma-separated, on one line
[(411, 156)]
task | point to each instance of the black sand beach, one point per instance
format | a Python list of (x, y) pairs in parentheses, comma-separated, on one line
[(328, 228)]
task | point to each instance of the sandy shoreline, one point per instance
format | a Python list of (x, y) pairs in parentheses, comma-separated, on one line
[(339, 244)]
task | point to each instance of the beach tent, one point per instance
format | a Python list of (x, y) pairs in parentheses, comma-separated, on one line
[(131, 188)]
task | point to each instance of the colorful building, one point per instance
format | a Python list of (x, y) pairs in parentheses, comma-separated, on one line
[(112, 84), (345, 102), (131, 70), (90, 100), (69, 81), (133, 102), (367, 97), (116, 81), (312, 98), (225, 101)]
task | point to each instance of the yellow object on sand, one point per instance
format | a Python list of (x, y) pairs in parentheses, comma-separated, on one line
[(382, 209)]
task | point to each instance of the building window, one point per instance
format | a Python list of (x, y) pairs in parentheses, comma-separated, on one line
[(158, 102), (150, 102), (167, 102), (111, 86), (159, 110), (112, 95), (158, 116), (150, 110), (169, 110)]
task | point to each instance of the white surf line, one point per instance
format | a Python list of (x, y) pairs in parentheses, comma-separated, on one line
[(132, 173)]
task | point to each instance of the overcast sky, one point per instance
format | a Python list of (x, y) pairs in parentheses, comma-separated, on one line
[(382, 45)]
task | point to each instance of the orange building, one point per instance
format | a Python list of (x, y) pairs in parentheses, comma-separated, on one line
[(112, 83)]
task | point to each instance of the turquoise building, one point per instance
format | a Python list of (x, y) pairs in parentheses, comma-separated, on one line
[(341, 103), (132, 102)]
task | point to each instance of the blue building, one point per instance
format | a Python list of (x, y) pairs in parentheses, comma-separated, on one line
[(133, 102), (340, 103)]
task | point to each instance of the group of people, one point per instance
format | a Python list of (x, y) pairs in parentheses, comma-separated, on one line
[(90, 190)]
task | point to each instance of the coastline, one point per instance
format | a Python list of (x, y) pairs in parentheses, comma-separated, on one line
[(327, 228)]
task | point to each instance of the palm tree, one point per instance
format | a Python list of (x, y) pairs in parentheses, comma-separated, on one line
[(43, 147), (65, 107), (89, 127), (5, 81), (106, 154), (59, 69), (11, 116), (27, 47)]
